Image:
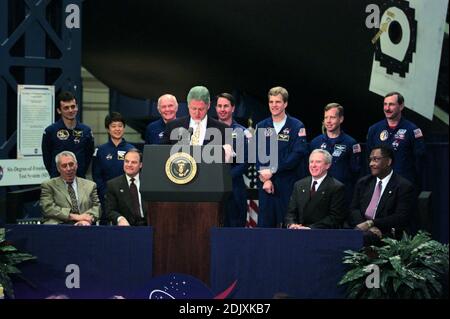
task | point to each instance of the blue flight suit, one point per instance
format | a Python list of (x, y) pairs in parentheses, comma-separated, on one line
[(154, 132), (408, 143), (292, 150), (57, 138), (236, 204), (346, 159), (108, 163)]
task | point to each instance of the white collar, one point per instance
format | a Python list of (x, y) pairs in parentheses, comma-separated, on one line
[(136, 178)]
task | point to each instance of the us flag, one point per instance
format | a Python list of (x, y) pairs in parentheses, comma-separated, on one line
[(252, 213), (252, 192)]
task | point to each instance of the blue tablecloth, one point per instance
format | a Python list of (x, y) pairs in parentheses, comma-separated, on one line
[(111, 260), (289, 263)]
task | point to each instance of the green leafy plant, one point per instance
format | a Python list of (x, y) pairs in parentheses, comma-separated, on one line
[(9, 258), (410, 268)]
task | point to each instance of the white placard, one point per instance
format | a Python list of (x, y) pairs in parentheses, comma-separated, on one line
[(420, 83), (35, 111), (27, 171)]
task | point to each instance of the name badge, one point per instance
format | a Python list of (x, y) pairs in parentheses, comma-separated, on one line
[(283, 137)]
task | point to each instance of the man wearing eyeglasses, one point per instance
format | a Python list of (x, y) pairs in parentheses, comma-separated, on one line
[(383, 201), (67, 134), (69, 199)]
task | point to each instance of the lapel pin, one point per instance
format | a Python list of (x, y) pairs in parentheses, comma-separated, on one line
[(121, 190)]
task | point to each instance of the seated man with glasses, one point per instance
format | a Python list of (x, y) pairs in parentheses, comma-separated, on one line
[(68, 199), (383, 202)]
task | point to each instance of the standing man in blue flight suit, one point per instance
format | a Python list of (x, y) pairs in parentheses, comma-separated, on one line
[(167, 107), (108, 158), (236, 205), (67, 134), (345, 151), (403, 136), (276, 183)]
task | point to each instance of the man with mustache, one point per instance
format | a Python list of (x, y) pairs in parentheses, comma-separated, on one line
[(403, 136)]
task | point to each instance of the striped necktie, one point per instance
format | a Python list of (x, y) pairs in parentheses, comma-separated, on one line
[(73, 198)]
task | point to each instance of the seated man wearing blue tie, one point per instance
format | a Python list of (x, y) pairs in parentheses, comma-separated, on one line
[(123, 201), (317, 201), (68, 199), (383, 202)]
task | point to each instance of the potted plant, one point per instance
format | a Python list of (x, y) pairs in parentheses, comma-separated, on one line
[(10, 257), (410, 268)]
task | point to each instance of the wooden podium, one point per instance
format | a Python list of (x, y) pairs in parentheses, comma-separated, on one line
[(182, 214)]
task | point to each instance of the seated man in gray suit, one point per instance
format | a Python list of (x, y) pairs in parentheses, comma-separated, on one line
[(317, 200), (69, 199), (383, 202), (123, 201)]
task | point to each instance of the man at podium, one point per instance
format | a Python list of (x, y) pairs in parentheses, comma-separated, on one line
[(200, 128)]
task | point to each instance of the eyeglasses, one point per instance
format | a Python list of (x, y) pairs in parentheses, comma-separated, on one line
[(70, 164), (376, 159)]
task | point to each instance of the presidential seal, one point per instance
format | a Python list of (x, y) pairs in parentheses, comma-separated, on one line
[(181, 168)]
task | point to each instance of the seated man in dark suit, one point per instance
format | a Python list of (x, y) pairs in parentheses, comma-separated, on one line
[(202, 128), (383, 202), (69, 199), (317, 200), (123, 201)]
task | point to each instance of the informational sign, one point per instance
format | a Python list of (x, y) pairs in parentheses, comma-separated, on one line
[(408, 53), (29, 171), (35, 111)]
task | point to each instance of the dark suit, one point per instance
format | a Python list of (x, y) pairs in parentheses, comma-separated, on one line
[(183, 122), (395, 208), (118, 202), (325, 209)]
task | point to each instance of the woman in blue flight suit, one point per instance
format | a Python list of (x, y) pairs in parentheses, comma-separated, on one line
[(108, 157)]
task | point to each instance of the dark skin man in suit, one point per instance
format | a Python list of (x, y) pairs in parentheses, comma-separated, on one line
[(392, 212)]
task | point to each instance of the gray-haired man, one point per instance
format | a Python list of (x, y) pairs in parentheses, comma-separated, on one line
[(317, 200)]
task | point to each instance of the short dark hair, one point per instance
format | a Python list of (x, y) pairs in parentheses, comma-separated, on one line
[(227, 96), (114, 117), (386, 151), (64, 96), (400, 98), (135, 150)]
